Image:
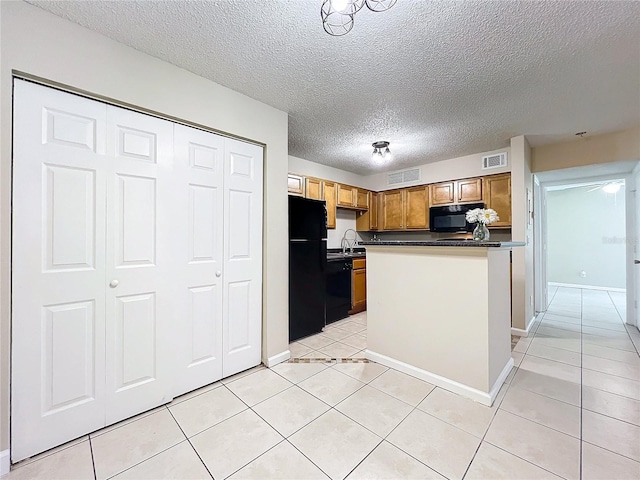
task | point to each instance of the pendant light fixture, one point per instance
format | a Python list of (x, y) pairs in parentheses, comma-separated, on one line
[(337, 15), (378, 154)]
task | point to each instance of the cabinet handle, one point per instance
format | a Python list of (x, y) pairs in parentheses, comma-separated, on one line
[(218, 273), (114, 283)]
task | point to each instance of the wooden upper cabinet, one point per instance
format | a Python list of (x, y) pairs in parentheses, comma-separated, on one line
[(295, 184), (329, 195), (416, 208), (373, 210), (497, 195), (469, 190), (367, 220), (362, 198), (313, 188), (346, 196), (442, 193), (392, 205)]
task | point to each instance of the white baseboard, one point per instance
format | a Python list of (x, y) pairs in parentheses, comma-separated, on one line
[(587, 287), (443, 382), (519, 332), (279, 358), (5, 462)]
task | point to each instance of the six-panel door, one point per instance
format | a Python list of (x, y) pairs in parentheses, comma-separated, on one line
[(134, 256)]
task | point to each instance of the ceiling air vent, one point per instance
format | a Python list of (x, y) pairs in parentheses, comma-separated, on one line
[(411, 175), (496, 160)]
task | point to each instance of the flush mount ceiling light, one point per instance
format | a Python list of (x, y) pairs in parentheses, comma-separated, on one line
[(337, 15), (378, 155), (611, 187)]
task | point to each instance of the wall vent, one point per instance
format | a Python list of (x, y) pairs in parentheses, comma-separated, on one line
[(405, 176), (496, 160)]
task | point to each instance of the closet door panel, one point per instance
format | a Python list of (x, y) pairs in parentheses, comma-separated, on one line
[(58, 268), (242, 318), (140, 251), (198, 281)]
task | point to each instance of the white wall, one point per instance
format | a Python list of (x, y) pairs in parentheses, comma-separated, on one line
[(586, 232), (40, 44), (522, 281), (312, 169), (451, 169)]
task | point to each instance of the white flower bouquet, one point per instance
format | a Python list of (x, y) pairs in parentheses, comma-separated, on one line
[(484, 216)]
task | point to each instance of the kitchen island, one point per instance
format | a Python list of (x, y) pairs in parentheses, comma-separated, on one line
[(441, 311)]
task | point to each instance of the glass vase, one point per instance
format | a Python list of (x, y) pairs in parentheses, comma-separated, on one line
[(481, 232)]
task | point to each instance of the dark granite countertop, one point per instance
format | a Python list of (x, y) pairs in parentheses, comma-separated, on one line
[(435, 243), (336, 253)]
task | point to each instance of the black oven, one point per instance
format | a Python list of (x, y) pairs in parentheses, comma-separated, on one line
[(451, 218)]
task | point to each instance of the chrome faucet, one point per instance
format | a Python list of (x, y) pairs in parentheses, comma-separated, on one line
[(346, 243)]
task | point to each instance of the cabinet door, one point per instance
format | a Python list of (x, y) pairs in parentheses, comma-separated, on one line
[(373, 211), (346, 196), (362, 198), (295, 184), (329, 192), (469, 190), (497, 195), (392, 214), (415, 208), (442, 193), (313, 188), (359, 290)]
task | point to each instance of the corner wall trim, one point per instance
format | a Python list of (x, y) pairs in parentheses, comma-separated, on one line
[(519, 332), (279, 358), (5, 462), (439, 381)]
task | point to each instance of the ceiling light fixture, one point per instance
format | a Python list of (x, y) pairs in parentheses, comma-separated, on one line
[(611, 187), (378, 155), (337, 15)]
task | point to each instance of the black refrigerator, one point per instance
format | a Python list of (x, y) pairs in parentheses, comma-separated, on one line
[(307, 265)]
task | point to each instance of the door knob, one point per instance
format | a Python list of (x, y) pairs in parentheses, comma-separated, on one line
[(636, 262), (114, 283), (218, 273)]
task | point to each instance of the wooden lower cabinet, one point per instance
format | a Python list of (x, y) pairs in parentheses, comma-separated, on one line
[(359, 286), (497, 195), (330, 195)]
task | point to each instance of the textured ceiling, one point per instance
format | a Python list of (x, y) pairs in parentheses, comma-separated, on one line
[(436, 79)]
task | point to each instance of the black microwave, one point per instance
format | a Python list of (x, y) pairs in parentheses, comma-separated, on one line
[(452, 218)]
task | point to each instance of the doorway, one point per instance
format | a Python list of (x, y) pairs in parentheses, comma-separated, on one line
[(586, 223)]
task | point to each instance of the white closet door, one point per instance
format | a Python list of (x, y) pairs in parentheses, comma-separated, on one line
[(140, 249), (198, 283), (242, 305), (58, 268)]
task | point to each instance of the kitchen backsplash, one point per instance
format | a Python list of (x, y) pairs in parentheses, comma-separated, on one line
[(345, 219)]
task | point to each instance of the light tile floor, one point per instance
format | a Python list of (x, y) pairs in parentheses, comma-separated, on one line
[(569, 409), (345, 338)]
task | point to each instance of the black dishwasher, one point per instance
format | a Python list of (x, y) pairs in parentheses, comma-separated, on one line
[(338, 300)]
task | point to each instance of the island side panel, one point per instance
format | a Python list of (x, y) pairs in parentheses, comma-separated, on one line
[(428, 307), (499, 312)]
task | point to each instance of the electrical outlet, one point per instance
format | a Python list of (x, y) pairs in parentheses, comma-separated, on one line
[(583, 274)]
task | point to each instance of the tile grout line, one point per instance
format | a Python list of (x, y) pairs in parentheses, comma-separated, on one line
[(191, 444), (93, 461)]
